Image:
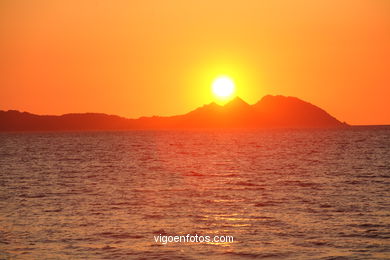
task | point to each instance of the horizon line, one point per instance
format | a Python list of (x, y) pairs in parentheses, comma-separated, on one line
[(236, 97)]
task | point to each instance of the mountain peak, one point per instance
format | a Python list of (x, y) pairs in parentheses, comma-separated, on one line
[(237, 102)]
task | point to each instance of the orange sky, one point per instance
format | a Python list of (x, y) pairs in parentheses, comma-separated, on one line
[(135, 58)]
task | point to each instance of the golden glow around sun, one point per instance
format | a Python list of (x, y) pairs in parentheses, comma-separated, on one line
[(223, 87)]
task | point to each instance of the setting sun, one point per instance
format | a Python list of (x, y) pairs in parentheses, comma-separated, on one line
[(223, 87)]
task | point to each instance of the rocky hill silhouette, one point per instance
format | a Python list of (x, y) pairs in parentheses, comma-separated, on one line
[(269, 112)]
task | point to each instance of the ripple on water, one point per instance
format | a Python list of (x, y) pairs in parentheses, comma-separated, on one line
[(282, 194)]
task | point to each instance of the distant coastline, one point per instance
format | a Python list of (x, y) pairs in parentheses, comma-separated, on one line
[(269, 112)]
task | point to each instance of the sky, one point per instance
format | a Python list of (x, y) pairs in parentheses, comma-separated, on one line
[(155, 57)]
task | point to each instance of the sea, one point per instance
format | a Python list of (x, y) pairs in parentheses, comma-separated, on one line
[(280, 193)]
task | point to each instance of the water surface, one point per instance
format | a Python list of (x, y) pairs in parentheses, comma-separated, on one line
[(292, 194)]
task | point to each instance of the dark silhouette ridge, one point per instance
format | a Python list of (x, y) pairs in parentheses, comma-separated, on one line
[(281, 111), (269, 112)]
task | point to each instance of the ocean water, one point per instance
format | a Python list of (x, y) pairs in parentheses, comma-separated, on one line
[(282, 194)]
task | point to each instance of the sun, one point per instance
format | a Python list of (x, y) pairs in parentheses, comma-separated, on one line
[(223, 87)]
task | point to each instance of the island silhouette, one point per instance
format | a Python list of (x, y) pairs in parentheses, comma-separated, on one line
[(270, 112)]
